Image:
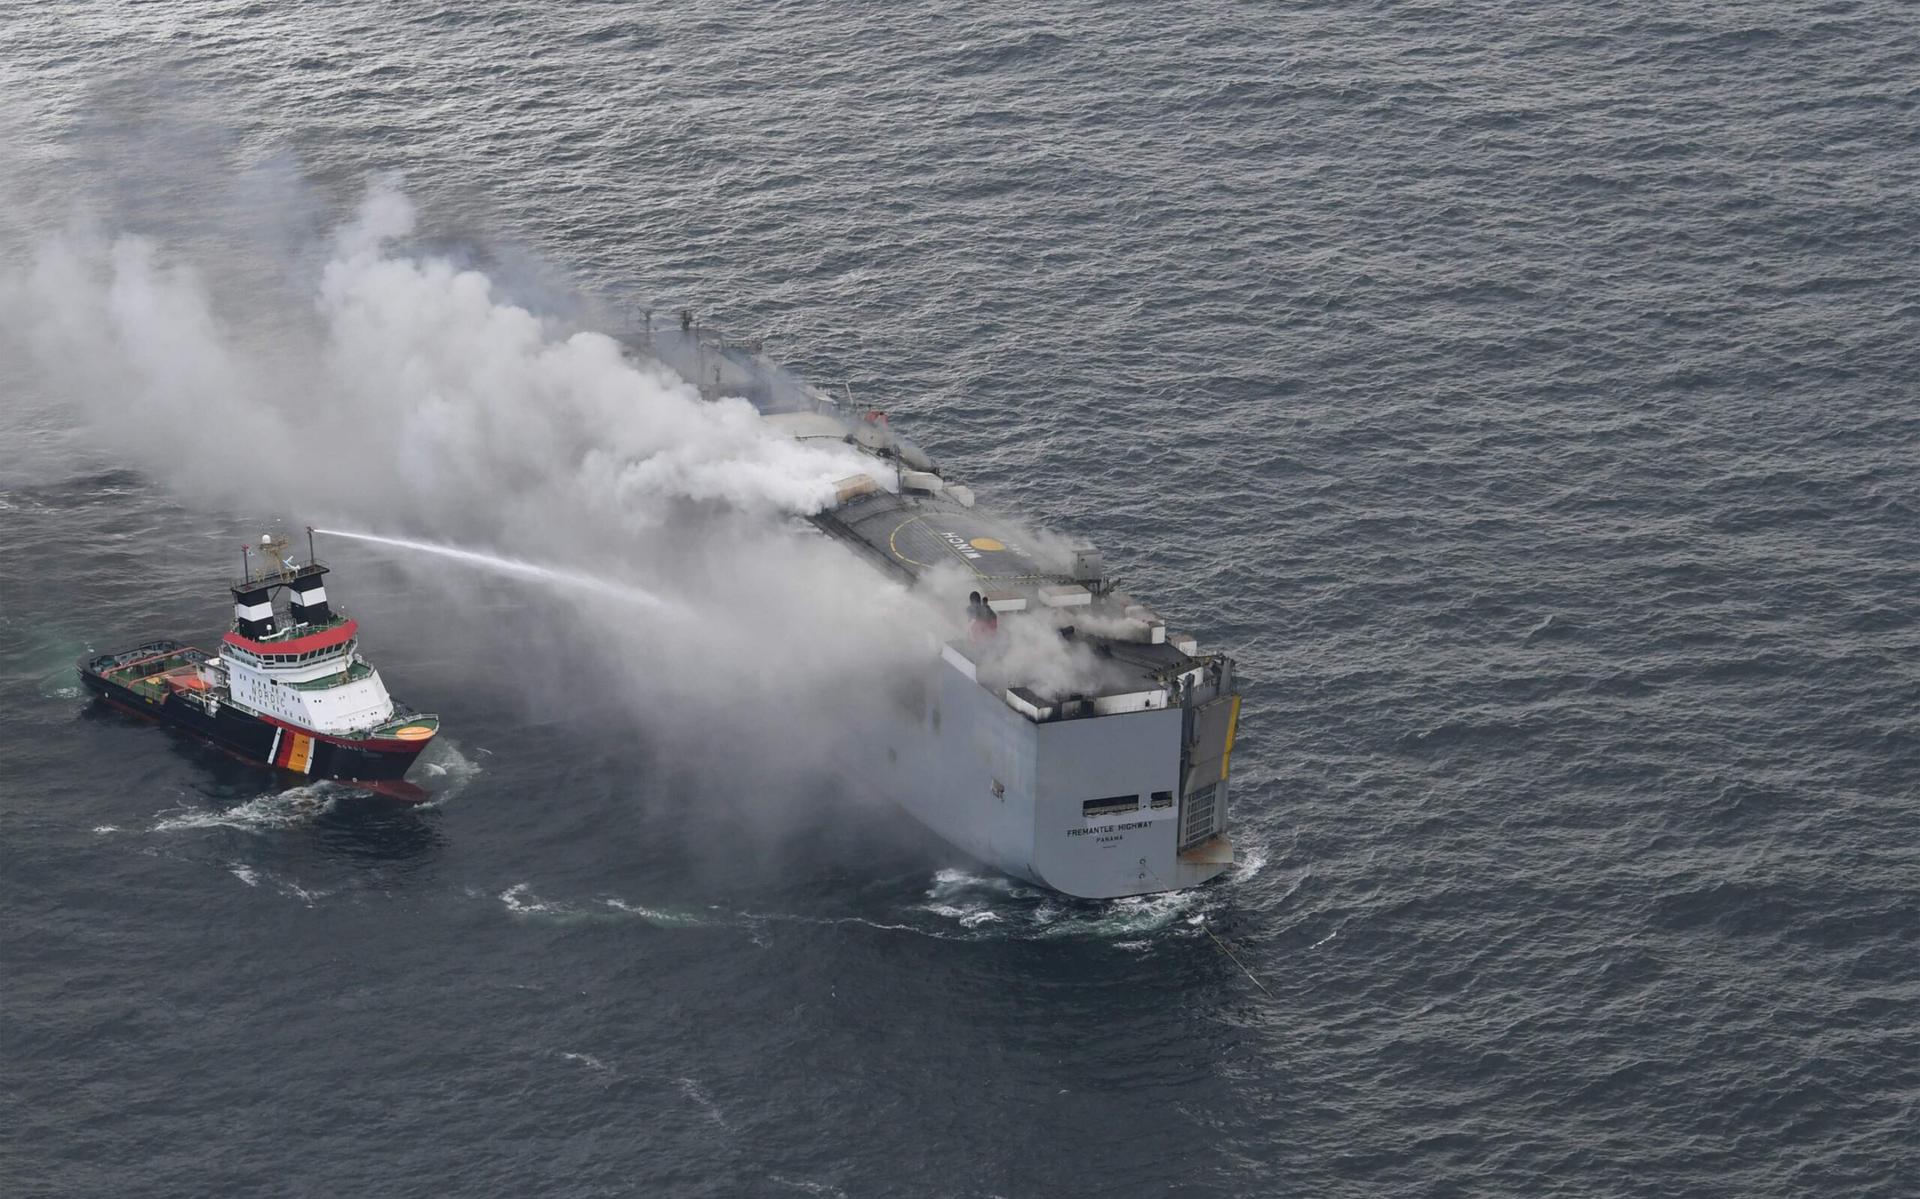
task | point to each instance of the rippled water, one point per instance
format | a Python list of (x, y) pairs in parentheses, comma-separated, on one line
[(1527, 395)]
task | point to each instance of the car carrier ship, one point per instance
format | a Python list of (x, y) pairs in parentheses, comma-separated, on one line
[(289, 687), (1115, 786)]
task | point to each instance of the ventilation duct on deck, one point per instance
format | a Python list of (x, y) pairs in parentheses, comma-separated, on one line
[(921, 482), (1088, 566), (854, 485)]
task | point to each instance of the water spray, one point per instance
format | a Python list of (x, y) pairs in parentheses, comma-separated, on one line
[(519, 568)]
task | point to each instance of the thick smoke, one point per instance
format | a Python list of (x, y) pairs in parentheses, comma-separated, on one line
[(423, 391), (355, 379), (405, 396)]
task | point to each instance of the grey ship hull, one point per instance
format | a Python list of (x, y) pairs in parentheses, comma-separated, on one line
[(1013, 793), (1098, 796), (1117, 790)]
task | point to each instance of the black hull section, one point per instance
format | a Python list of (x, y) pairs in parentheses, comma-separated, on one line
[(253, 738)]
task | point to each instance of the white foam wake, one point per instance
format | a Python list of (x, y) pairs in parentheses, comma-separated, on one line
[(275, 809)]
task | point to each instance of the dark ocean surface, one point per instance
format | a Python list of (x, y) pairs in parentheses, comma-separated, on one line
[(1527, 395)]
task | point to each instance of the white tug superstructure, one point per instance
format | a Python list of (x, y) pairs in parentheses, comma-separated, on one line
[(325, 694), (306, 670)]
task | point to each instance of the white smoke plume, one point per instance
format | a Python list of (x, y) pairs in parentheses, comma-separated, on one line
[(369, 384), (414, 383), (405, 396), (1027, 650)]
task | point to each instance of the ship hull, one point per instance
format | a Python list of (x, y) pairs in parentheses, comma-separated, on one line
[(1025, 798), (266, 742)]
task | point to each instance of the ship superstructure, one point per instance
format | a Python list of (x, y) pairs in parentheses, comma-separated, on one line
[(289, 687), (1067, 737)]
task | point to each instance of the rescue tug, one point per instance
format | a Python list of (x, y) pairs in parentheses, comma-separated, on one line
[(288, 688)]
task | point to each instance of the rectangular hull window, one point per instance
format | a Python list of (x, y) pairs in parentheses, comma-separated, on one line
[(1110, 805)]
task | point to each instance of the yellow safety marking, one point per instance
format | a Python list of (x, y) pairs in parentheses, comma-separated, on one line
[(986, 544), (894, 545), (301, 756), (1233, 728)]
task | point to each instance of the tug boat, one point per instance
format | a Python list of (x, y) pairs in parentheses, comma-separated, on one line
[(288, 689)]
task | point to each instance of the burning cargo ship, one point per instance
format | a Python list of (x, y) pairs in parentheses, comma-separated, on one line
[(1114, 785)]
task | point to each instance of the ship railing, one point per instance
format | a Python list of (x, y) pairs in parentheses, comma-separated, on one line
[(278, 576), (171, 659), (303, 628), (402, 717), (1213, 682), (108, 663), (354, 673)]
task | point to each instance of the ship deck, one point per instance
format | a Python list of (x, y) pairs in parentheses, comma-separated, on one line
[(144, 662), (915, 534), (923, 523)]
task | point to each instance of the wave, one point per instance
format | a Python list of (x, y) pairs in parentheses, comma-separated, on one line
[(272, 810), (659, 916), (444, 771), (995, 906), (255, 877), (958, 905), (591, 1062), (522, 902), (692, 1089)]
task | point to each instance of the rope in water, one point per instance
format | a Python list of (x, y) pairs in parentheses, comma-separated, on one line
[(1251, 977), (1236, 960)]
